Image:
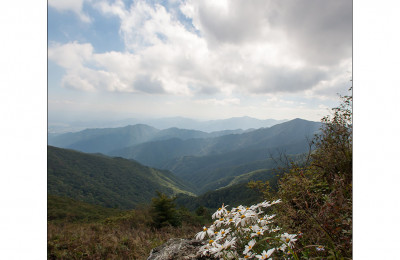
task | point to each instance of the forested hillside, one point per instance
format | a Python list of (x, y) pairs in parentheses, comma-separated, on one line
[(111, 182)]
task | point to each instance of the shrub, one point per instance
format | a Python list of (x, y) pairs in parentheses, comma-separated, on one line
[(317, 196)]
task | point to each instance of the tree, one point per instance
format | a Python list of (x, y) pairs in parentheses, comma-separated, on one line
[(163, 211)]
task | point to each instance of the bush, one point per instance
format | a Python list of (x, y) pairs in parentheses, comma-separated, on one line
[(317, 196)]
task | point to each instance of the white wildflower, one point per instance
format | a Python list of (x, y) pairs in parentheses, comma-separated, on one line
[(266, 255), (288, 239), (220, 212), (202, 234), (276, 201), (249, 246), (234, 233)]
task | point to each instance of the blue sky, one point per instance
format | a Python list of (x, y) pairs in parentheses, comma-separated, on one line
[(111, 60)]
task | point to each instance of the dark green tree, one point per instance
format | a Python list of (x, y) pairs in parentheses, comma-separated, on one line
[(163, 211), (201, 211)]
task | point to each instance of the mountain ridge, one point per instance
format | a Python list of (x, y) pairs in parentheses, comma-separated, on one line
[(244, 122)]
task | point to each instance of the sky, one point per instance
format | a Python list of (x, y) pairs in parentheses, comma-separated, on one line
[(197, 59)]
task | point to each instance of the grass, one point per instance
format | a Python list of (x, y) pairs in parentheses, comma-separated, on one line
[(109, 241), (78, 230)]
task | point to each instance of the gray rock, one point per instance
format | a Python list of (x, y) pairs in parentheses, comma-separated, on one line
[(178, 249)]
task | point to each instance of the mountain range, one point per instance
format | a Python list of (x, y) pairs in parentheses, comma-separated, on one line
[(207, 161), (165, 123), (105, 140)]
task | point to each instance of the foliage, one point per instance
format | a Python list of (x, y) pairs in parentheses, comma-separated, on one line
[(106, 181), (163, 211), (246, 233), (317, 197)]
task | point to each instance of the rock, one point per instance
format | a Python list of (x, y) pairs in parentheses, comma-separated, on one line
[(178, 249)]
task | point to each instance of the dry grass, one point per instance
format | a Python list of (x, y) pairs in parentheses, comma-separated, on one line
[(109, 241)]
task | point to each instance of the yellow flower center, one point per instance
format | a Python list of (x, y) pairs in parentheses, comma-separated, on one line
[(205, 229), (246, 256), (210, 241), (258, 233), (287, 240), (243, 216)]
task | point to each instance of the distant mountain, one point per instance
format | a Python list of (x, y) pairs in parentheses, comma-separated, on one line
[(210, 160), (104, 140), (101, 140), (106, 181), (238, 123), (243, 123), (234, 123)]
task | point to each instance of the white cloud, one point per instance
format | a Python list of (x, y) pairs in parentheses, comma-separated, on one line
[(231, 47), (71, 55), (219, 102), (70, 5)]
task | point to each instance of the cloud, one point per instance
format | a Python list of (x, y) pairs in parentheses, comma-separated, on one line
[(71, 55), (316, 32), (189, 48), (146, 84), (219, 102), (70, 5), (320, 31)]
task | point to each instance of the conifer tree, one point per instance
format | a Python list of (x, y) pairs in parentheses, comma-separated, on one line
[(163, 210)]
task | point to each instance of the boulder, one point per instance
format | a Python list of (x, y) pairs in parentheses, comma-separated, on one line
[(178, 249)]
